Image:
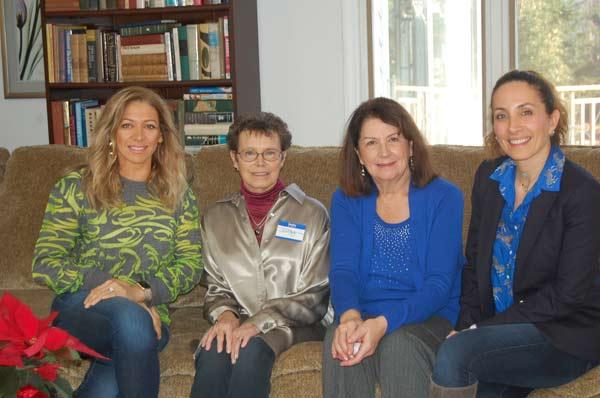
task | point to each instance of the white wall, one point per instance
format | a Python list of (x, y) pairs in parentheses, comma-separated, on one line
[(312, 56), (22, 121), (312, 67)]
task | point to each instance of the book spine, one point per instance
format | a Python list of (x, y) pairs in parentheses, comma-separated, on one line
[(226, 46), (92, 66), (144, 49), (201, 140), (169, 56), (214, 46), (83, 58), (56, 109), (208, 96), (68, 56), (183, 53), (111, 56), (204, 51), (209, 89), (176, 53), (209, 106), (193, 51), (208, 117), (50, 51), (155, 38), (66, 123)]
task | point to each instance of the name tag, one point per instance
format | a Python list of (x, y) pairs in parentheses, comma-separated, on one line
[(290, 231)]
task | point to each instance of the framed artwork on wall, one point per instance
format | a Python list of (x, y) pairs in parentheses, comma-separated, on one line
[(22, 48)]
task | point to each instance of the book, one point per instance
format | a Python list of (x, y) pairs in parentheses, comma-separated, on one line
[(176, 53), (183, 52), (144, 49), (206, 129), (50, 52), (147, 29), (56, 109), (169, 57), (204, 50), (209, 89), (155, 38), (208, 105), (208, 117), (193, 51), (202, 140), (92, 65), (208, 96), (226, 48)]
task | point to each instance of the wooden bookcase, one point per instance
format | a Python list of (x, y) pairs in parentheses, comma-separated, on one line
[(243, 37)]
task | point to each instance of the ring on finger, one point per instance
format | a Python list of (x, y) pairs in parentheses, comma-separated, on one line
[(111, 289)]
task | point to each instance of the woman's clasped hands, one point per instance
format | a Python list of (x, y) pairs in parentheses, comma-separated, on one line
[(355, 338)]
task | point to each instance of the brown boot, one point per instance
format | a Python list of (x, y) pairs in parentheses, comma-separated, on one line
[(437, 391)]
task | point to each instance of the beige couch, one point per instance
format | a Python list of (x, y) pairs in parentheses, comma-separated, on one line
[(27, 176)]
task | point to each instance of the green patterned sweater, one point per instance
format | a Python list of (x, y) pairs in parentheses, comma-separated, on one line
[(80, 248)]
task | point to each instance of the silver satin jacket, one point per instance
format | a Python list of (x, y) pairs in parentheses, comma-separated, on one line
[(280, 286)]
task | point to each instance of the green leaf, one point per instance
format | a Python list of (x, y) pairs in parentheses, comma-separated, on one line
[(9, 381)]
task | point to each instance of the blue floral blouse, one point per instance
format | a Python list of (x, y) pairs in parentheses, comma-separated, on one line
[(512, 221)]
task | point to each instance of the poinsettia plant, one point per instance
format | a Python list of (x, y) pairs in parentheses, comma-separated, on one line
[(32, 353)]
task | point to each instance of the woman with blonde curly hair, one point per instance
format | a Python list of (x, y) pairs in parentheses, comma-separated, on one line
[(120, 239)]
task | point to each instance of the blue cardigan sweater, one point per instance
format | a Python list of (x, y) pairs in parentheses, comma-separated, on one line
[(436, 214)]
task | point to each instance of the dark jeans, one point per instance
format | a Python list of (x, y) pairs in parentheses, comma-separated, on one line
[(216, 377), (507, 361), (118, 329)]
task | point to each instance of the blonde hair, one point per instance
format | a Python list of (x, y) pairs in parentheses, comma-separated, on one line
[(549, 97), (101, 178)]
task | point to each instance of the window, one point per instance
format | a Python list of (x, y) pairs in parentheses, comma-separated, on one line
[(561, 39), (429, 56)]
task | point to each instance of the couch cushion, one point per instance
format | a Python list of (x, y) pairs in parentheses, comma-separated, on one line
[(30, 174), (4, 155), (313, 169)]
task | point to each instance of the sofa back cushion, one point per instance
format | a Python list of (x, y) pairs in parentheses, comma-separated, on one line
[(313, 169), (4, 155), (30, 175)]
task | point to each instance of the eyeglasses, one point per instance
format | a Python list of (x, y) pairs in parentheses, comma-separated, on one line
[(250, 155)]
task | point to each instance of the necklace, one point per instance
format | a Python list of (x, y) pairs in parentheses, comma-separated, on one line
[(258, 225), (524, 182)]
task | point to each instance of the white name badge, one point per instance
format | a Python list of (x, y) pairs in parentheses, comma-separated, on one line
[(290, 231)]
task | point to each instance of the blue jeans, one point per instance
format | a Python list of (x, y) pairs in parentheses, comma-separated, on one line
[(506, 360), (118, 329), (249, 377)]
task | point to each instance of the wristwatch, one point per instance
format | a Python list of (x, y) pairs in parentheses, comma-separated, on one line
[(147, 291)]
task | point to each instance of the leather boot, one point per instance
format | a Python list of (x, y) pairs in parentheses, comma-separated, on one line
[(437, 391)]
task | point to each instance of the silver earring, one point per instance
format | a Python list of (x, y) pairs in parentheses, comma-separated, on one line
[(552, 133), (362, 171), (411, 163)]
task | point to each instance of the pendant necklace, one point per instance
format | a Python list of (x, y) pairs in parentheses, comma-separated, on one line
[(525, 181), (258, 226)]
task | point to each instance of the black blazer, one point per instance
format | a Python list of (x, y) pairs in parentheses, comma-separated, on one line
[(556, 285)]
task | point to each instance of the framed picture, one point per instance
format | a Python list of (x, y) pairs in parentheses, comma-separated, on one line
[(22, 48)]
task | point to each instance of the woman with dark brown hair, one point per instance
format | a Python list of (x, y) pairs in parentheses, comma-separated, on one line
[(396, 256), (530, 302)]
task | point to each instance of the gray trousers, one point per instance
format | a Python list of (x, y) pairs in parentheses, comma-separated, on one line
[(401, 365)]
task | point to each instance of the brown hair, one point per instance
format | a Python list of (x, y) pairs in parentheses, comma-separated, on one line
[(392, 113), (260, 122), (549, 97), (101, 178)]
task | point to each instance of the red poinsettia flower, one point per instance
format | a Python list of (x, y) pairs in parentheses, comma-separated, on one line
[(29, 335), (48, 371), (30, 391)]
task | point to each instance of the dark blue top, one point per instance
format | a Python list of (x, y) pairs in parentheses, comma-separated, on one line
[(436, 215), (512, 221)]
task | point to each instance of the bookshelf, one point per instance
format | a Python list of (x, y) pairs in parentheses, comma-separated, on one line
[(244, 78)]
